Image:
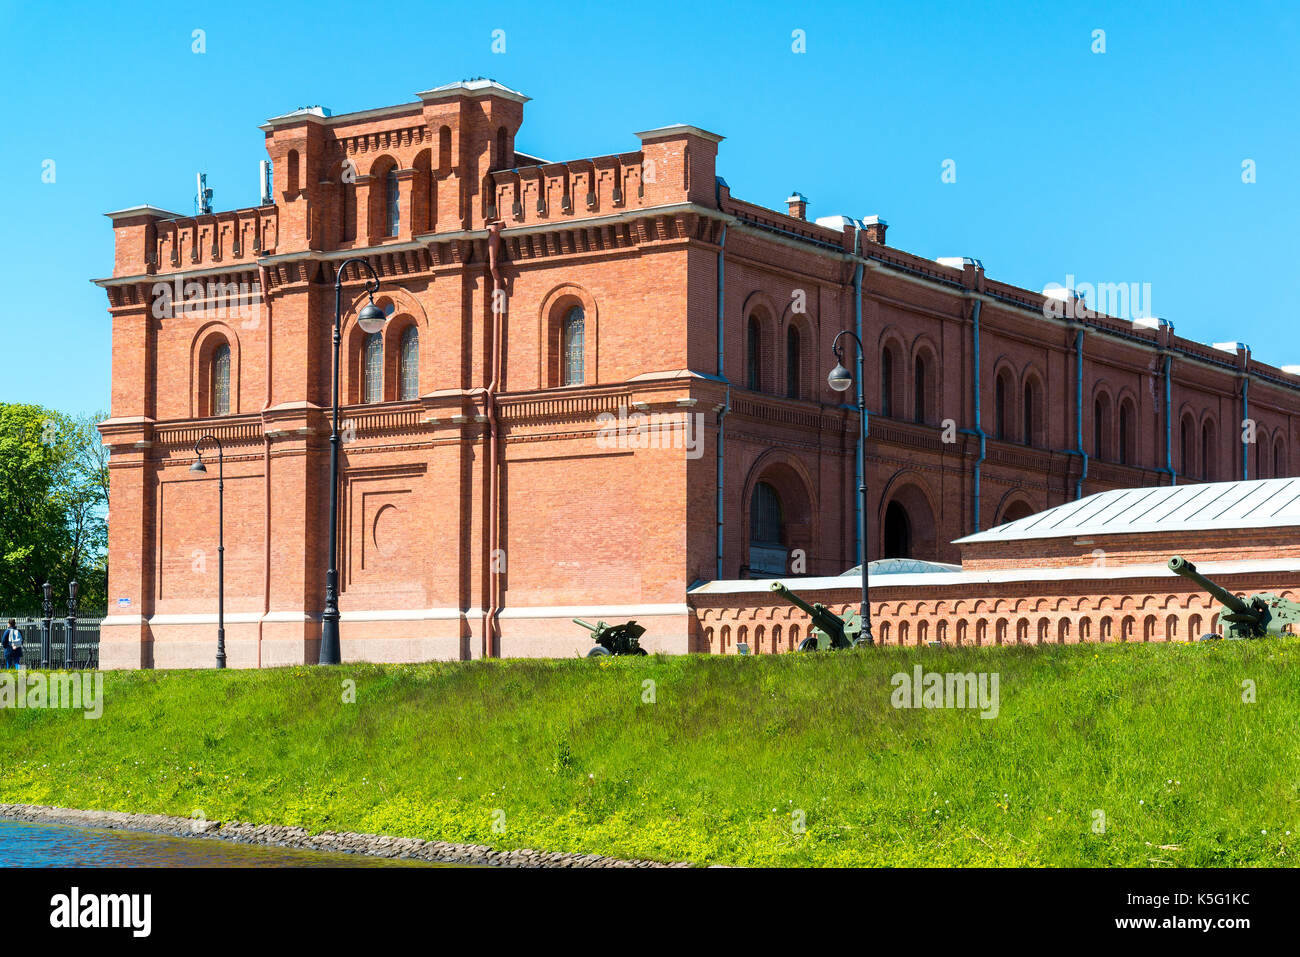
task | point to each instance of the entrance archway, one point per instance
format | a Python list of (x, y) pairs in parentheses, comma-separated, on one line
[(897, 532)]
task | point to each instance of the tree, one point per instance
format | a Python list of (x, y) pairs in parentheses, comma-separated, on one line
[(53, 506)]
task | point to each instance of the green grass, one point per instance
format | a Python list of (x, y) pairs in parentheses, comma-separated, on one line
[(715, 770)]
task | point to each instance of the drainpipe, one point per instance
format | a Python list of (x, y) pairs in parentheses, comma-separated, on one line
[(860, 459), (1078, 412), (1245, 418), (979, 429), (1169, 425), (490, 624), (726, 404)]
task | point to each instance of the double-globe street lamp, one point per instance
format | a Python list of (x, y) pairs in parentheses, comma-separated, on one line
[(198, 466), (47, 622), (840, 379), (371, 319), (70, 645)]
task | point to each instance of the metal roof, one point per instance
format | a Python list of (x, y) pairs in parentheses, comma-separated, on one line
[(902, 566), (1263, 503)]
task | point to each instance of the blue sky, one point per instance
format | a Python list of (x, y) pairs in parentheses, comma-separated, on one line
[(1122, 166)]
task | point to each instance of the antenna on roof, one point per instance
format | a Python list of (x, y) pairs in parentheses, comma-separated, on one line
[(265, 170), (203, 199)]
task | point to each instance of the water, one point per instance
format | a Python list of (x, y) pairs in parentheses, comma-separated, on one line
[(61, 845)]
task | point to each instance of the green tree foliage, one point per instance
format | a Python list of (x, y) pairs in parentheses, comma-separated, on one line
[(53, 507)]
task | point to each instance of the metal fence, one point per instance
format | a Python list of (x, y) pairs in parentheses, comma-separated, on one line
[(82, 652)]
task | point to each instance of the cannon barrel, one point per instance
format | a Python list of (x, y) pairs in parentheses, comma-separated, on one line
[(1181, 566), (590, 627), (823, 618)]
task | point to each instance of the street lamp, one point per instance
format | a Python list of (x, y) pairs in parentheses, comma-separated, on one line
[(840, 379), (70, 645), (47, 622), (371, 319), (198, 466)]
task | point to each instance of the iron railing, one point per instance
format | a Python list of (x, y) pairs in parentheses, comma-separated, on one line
[(84, 650)]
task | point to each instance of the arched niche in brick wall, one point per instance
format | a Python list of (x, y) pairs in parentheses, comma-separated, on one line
[(207, 339), (784, 474), (555, 307), (905, 523)]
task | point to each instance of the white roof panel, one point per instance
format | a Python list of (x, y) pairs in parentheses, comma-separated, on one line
[(1263, 503)]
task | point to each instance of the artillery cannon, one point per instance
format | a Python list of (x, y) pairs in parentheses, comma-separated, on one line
[(829, 629), (1254, 617), (621, 639)]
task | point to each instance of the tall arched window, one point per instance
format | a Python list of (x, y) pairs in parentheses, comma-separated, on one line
[(372, 368), (754, 355), (1101, 427), (1001, 417), (221, 380), (887, 382), (1126, 436), (918, 389), (1260, 459), (766, 549), (573, 339), (408, 365), (1208, 470), (1185, 444), (1279, 460), (392, 196), (1027, 413), (792, 362)]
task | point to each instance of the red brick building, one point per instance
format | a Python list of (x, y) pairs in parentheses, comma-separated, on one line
[(603, 380)]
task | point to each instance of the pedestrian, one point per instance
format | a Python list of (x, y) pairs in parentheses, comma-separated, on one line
[(12, 640)]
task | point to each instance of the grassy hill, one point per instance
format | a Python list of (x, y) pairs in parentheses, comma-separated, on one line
[(721, 760)]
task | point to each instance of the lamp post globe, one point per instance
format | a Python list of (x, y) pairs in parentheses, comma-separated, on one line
[(840, 379), (371, 318)]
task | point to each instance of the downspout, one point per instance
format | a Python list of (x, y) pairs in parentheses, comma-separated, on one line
[(1078, 412), (490, 629), (263, 277), (859, 459), (979, 428), (1245, 419), (726, 405), (1169, 425)]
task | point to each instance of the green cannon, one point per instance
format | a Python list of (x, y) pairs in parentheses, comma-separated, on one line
[(1254, 617), (621, 639), (829, 629)]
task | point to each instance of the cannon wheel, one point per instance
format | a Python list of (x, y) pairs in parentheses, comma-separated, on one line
[(600, 651), (1209, 638), (808, 644), (640, 651)]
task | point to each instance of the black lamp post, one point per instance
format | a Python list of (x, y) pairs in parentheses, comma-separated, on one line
[(198, 466), (371, 319), (70, 645), (47, 622), (840, 379)]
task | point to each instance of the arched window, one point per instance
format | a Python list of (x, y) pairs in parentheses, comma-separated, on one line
[(1028, 412), (1101, 427), (392, 196), (573, 339), (348, 190), (887, 382), (1001, 416), (1185, 444), (1260, 459), (372, 368), (1208, 470), (898, 532), (1126, 436), (1279, 460), (767, 555), (754, 355), (221, 380), (408, 365), (792, 362), (444, 149), (918, 389), (502, 160)]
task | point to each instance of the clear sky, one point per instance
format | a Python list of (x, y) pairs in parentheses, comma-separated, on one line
[(1123, 166)]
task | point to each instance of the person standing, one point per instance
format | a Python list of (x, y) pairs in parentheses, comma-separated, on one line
[(12, 639)]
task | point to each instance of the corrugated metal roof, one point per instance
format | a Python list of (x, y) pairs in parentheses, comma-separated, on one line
[(1263, 503)]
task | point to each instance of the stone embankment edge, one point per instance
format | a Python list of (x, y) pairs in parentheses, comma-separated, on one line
[(375, 845)]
